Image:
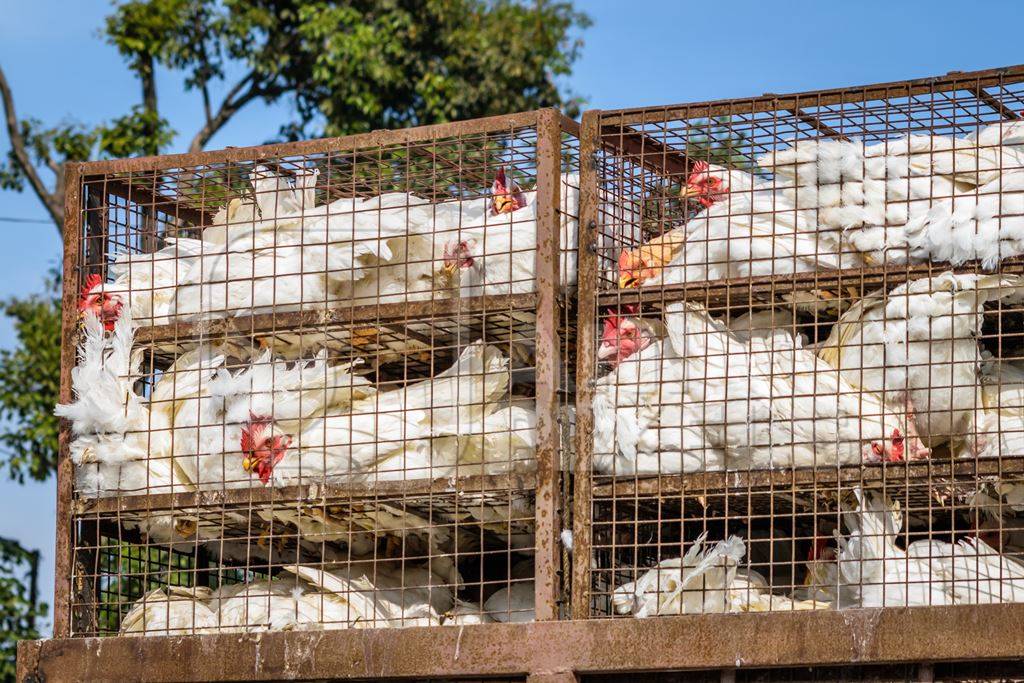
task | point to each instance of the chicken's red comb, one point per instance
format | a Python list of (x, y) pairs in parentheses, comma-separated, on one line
[(499, 178), (612, 322), (252, 432), (91, 282), (700, 167)]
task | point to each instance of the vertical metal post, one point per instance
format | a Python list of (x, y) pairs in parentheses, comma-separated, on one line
[(69, 326), (548, 361), (585, 350)]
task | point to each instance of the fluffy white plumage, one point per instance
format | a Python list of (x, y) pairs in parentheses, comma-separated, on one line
[(365, 593), (171, 611), (878, 195), (769, 403), (645, 423), (123, 442), (452, 423), (985, 224), (496, 253), (750, 230), (998, 423), (872, 571), (919, 342), (208, 426), (706, 580)]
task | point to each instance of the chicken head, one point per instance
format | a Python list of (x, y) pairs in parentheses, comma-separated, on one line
[(704, 185), (621, 338), (261, 448), (506, 195), (106, 306)]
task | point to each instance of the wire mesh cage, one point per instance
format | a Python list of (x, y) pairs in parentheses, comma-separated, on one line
[(332, 372), (798, 351)]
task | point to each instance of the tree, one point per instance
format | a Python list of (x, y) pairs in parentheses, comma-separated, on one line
[(19, 603)]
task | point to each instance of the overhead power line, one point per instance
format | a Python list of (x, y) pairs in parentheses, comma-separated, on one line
[(14, 219)]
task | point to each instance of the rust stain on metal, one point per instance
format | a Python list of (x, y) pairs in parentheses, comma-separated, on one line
[(548, 363), (582, 647)]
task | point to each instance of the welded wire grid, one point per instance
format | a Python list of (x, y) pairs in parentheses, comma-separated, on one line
[(777, 424), (320, 375), (372, 563)]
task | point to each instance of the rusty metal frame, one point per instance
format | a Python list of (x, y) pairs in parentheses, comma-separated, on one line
[(560, 649), (954, 80), (555, 650), (120, 178), (585, 345), (621, 134)]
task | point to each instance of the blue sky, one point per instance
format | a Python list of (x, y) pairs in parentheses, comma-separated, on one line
[(644, 52)]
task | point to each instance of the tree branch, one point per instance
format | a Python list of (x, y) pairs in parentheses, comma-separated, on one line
[(233, 101), (51, 201)]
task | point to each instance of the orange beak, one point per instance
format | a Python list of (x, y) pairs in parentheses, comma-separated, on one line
[(689, 191), (632, 271), (504, 204)]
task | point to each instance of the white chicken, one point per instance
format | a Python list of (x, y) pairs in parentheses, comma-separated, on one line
[(365, 593), (171, 611), (123, 442), (917, 348), (871, 193), (382, 593), (438, 427), (644, 422), (512, 604), (144, 281), (746, 229), (872, 571), (210, 427), (706, 580), (329, 254), (496, 254), (997, 426), (769, 403), (984, 224)]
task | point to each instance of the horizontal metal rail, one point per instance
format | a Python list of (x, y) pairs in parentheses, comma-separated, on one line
[(923, 634), (308, 494)]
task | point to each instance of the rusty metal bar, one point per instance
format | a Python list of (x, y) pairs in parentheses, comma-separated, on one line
[(645, 150), (314, 493), (490, 124), (894, 475), (848, 282), (140, 195), (817, 124), (68, 350), (950, 82), (715, 641), (270, 323), (548, 365), (994, 103), (585, 350)]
